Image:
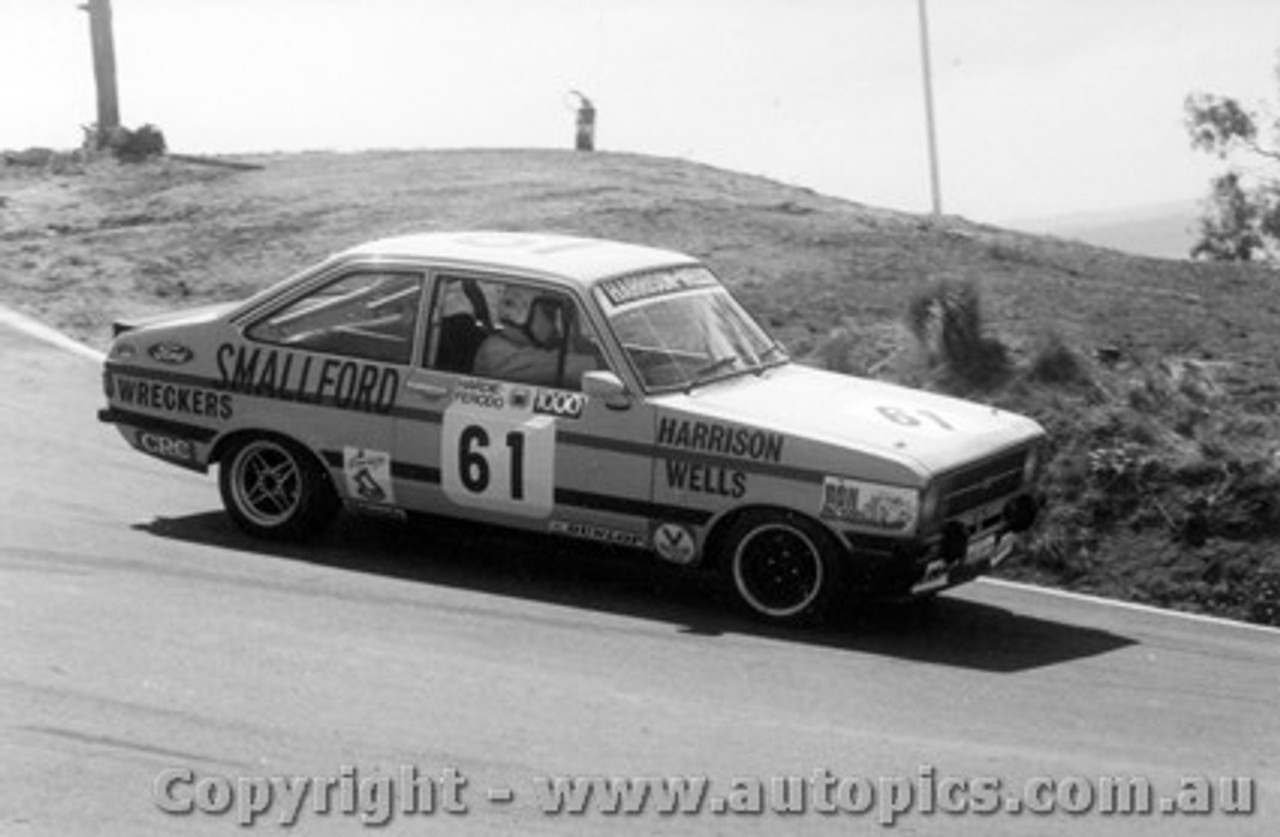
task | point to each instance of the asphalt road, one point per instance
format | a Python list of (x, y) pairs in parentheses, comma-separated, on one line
[(149, 650)]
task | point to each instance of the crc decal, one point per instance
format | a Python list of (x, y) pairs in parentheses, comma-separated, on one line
[(498, 461), (480, 393), (591, 532), (659, 283), (557, 402), (368, 475), (705, 479), (173, 354), (711, 437), (164, 446), (869, 504), (172, 398), (287, 376), (675, 543)]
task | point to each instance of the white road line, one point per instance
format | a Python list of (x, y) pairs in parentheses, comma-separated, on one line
[(40, 331), (1120, 603)]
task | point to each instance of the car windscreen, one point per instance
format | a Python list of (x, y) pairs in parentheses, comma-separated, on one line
[(690, 332)]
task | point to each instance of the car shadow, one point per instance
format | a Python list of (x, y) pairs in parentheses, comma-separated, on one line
[(944, 631)]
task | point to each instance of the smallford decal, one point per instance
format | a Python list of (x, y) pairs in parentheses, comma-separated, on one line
[(287, 376)]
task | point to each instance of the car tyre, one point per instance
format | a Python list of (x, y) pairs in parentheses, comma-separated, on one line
[(274, 488), (782, 567)]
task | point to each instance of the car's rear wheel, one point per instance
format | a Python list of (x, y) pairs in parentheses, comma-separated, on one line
[(782, 567), (274, 488)]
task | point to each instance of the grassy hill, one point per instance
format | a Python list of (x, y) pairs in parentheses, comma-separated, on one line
[(1159, 380)]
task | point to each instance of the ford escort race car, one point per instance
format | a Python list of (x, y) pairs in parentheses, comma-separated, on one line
[(598, 390)]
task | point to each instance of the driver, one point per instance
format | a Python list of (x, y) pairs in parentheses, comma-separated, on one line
[(529, 345)]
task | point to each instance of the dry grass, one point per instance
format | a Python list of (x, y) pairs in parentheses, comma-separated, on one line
[(1157, 379)]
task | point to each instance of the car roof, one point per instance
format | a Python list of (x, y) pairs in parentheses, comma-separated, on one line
[(581, 260)]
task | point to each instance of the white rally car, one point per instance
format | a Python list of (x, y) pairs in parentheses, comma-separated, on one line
[(598, 390)]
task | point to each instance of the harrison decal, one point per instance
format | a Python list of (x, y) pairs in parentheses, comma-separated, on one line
[(631, 288), (711, 437), (284, 375)]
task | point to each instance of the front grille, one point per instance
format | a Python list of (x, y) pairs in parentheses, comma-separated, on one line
[(970, 487)]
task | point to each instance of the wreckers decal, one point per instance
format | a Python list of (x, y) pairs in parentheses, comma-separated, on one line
[(290, 376), (173, 398)]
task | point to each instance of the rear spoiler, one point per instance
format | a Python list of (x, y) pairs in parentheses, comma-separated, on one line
[(124, 326)]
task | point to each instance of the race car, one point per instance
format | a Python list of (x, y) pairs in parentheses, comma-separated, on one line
[(594, 389)]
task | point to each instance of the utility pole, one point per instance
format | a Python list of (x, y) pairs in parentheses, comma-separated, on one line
[(104, 69), (934, 183)]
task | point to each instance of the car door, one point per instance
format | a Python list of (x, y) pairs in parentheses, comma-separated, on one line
[(512, 443), (326, 366)]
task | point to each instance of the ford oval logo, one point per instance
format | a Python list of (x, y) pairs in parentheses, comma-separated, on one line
[(174, 354)]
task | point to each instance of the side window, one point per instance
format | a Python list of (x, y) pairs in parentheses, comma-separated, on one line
[(511, 331), (365, 315)]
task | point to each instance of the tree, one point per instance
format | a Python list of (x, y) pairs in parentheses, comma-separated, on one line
[(1241, 220)]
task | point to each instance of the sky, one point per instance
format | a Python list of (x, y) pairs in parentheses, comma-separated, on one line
[(1043, 107)]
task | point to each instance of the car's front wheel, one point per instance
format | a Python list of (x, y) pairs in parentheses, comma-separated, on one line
[(782, 567), (274, 488)]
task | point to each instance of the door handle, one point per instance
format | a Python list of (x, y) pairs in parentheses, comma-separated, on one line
[(427, 390)]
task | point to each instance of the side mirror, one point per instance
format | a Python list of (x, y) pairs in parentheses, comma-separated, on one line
[(608, 387)]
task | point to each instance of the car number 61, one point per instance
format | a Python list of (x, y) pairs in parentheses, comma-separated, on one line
[(502, 463)]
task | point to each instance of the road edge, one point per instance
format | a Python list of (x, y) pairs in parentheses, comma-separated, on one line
[(33, 327)]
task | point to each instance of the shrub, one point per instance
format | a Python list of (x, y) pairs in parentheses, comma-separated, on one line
[(946, 320)]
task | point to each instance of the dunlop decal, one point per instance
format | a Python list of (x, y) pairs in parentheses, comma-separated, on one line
[(591, 532)]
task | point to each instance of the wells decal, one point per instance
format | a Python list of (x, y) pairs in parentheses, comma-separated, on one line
[(281, 374), (711, 437), (705, 479), (869, 504), (172, 398)]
